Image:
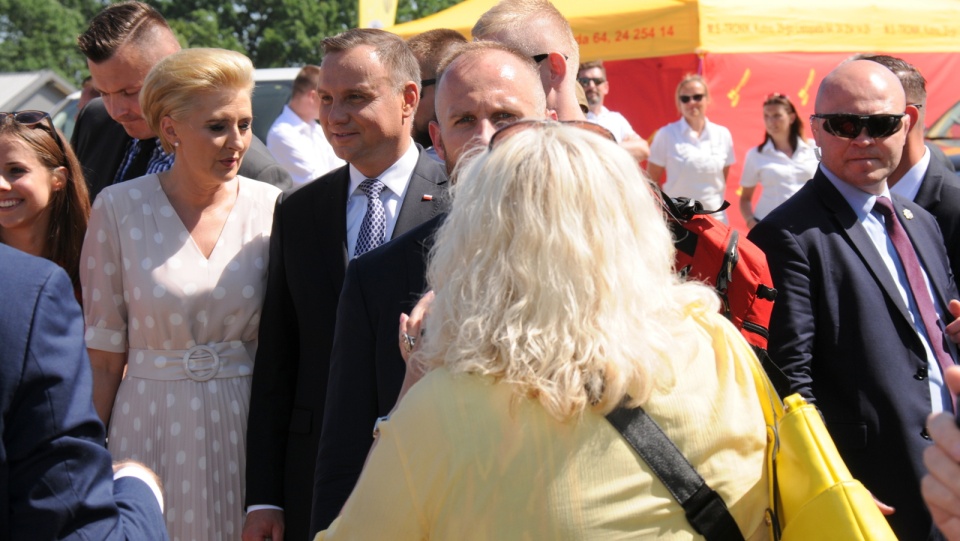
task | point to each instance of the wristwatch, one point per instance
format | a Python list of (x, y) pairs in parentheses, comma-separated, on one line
[(376, 425)]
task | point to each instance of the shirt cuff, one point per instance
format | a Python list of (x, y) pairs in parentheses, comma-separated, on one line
[(140, 473), (261, 507)]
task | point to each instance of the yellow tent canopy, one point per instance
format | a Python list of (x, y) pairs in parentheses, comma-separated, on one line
[(623, 29)]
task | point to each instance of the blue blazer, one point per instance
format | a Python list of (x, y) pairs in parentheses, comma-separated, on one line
[(842, 334), (56, 478)]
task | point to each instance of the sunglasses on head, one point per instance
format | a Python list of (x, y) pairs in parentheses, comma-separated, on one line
[(849, 126), (31, 119), (523, 124), (695, 97), (585, 81)]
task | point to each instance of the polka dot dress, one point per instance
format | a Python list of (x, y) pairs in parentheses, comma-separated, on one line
[(188, 325)]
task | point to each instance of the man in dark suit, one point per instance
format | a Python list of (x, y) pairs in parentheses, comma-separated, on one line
[(847, 328), (488, 85), (111, 138), (368, 94), (56, 481), (921, 177)]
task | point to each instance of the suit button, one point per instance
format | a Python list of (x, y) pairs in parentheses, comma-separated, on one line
[(921, 374), (923, 434)]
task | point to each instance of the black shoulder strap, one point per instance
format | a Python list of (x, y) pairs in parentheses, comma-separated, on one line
[(705, 509)]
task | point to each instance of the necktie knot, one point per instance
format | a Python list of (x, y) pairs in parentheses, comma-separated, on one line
[(884, 206), (372, 188)]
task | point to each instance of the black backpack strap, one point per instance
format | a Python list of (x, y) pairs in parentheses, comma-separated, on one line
[(705, 509)]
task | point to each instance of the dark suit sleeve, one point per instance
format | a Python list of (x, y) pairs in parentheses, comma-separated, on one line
[(274, 379), (792, 323), (259, 164), (351, 405), (60, 474)]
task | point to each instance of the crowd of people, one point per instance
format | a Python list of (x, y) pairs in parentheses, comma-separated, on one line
[(452, 245)]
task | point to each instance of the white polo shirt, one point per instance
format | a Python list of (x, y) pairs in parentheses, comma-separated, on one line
[(780, 175), (613, 121), (694, 164)]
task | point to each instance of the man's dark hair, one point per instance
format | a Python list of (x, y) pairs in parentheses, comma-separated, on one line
[(391, 50), (116, 25), (431, 46), (914, 85), (308, 79)]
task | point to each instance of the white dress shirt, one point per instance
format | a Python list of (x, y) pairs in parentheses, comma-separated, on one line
[(909, 184), (300, 147), (395, 178)]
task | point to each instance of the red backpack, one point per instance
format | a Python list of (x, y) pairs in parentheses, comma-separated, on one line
[(713, 253)]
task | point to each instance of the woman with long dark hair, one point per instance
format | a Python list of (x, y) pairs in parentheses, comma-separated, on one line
[(782, 163), (43, 198)]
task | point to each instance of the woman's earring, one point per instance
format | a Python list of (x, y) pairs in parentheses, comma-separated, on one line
[(816, 152)]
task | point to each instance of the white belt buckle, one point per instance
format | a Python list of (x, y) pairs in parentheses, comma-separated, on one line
[(204, 374)]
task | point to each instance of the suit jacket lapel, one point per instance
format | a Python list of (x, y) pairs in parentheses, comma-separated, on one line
[(859, 239), (929, 193), (927, 252), (429, 179), (331, 221)]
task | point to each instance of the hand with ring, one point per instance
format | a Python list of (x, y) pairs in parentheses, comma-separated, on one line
[(411, 329)]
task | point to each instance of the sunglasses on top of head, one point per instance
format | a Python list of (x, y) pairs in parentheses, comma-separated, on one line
[(850, 126), (506, 131), (695, 97), (30, 119)]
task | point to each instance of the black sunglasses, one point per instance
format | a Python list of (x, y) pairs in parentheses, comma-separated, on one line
[(585, 81), (31, 119), (849, 126), (686, 99), (424, 83), (520, 125), (542, 56)]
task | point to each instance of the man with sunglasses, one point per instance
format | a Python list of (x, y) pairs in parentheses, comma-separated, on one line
[(480, 87), (112, 140), (862, 318), (540, 31), (593, 78)]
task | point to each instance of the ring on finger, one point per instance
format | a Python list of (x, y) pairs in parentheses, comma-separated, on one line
[(409, 342)]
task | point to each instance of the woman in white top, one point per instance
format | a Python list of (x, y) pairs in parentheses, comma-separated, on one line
[(695, 153), (782, 163), (174, 269)]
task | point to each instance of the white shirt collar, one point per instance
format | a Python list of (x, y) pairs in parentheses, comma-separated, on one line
[(395, 177), (909, 184)]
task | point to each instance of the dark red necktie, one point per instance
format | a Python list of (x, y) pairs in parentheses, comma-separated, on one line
[(918, 287)]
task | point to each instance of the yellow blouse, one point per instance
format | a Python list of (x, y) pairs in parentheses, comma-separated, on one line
[(460, 460)]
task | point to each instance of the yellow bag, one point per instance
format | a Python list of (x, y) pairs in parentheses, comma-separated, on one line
[(813, 495)]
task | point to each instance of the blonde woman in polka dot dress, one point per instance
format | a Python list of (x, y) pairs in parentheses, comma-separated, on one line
[(173, 272)]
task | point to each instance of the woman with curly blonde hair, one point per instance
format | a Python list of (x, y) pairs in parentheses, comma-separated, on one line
[(555, 302)]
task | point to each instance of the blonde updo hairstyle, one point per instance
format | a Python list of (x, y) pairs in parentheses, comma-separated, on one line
[(172, 86), (554, 273)]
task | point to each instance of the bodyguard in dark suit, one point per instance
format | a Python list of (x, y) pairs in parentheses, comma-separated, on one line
[(924, 174), (368, 93), (366, 368), (111, 138), (56, 480), (847, 327)]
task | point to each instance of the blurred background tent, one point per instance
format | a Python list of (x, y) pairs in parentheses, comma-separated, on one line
[(746, 49)]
